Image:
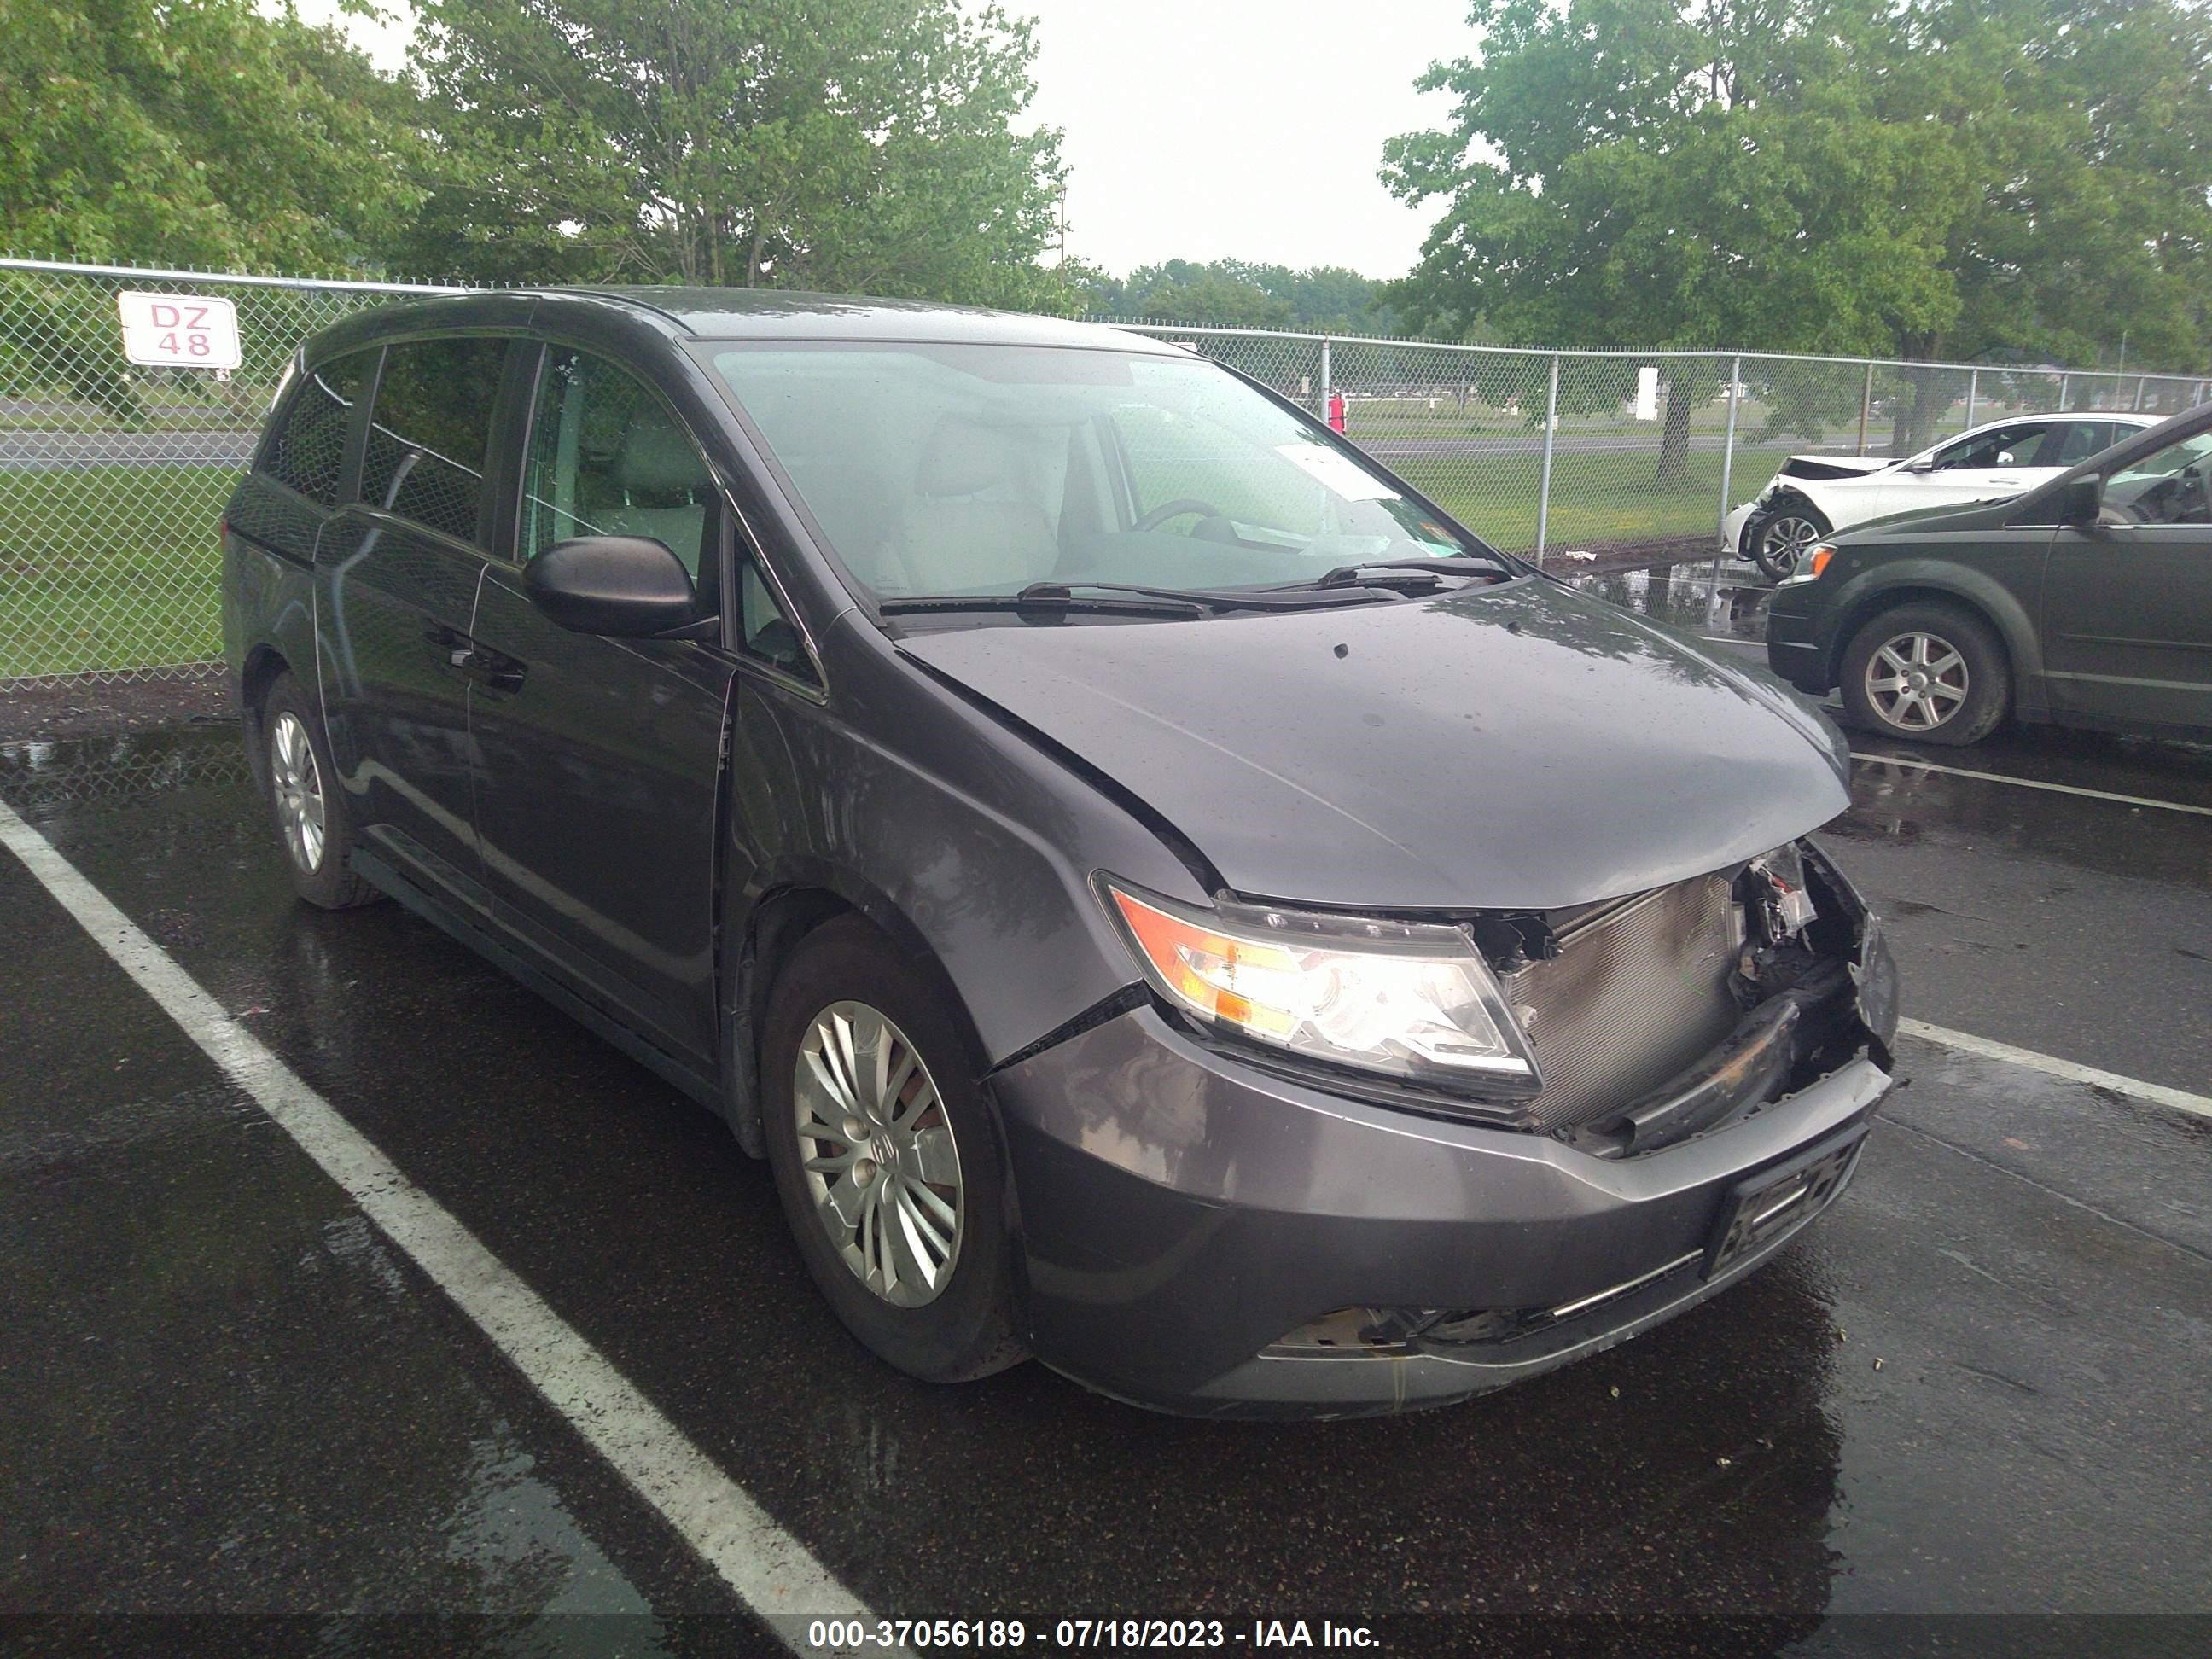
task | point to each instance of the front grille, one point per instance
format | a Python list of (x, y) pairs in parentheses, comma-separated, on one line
[(1636, 993)]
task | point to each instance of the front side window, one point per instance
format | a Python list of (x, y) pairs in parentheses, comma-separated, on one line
[(2172, 485), (307, 450), (609, 457), (2002, 447), (429, 431), (972, 470)]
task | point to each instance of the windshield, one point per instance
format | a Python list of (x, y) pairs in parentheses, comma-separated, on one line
[(943, 469)]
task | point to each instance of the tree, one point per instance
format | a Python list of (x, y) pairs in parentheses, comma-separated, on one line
[(196, 133), (866, 146), (186, 132), (1816, 175), (1180, 291)]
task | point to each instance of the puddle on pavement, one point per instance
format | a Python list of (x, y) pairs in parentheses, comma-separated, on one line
[(57, 772), (1688, 596)]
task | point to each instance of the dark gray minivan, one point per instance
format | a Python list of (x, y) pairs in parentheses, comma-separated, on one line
[(1162, 896)]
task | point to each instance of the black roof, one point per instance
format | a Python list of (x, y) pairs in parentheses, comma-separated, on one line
[(717, 313), (725, 313)]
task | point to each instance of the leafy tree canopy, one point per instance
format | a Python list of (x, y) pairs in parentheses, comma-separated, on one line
[(863, 146), (1933, 178), (1238, 293), (200, 132)]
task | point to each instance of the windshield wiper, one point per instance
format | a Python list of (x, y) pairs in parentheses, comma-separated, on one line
[(1132, 599), (1049, 599), (1419, 578)]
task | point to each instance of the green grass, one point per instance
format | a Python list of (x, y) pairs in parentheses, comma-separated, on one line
[(1596, 500), (109, 567)]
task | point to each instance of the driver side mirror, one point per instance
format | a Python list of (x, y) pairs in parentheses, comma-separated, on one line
[(628, 587), (2083, 501), (1925, 463)]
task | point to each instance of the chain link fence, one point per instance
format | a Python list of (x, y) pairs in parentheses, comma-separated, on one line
[(113, 477), (1562, 455)]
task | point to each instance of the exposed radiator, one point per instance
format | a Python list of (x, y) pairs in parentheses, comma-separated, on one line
[(1636, 993)]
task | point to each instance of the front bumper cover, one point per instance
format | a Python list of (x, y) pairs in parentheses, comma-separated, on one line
[(1182, 1212)]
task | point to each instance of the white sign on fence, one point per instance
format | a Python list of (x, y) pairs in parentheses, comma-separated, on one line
[(178, 330), (1647, 394)]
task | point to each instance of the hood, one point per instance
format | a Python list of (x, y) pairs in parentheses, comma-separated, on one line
[(1521, 746), (1816, 468)]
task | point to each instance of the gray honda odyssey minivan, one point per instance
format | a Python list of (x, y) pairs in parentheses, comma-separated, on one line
[(1162, 896)]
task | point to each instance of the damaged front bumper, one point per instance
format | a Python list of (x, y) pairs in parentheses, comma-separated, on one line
[(1205, 1236)]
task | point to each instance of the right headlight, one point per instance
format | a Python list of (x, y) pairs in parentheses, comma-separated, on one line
[(1415, 1002)]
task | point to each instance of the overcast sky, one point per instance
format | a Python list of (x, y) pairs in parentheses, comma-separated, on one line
[(1211, 129)]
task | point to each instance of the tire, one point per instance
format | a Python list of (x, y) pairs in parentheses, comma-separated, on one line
[(1781, 534), (869, 1210), (315, 834), (1967, 679)]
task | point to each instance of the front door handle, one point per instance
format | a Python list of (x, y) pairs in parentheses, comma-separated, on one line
[(458, 649)]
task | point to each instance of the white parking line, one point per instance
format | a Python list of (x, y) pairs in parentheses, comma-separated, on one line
[(2158, 1094), (2036, 783), (772, 1571)]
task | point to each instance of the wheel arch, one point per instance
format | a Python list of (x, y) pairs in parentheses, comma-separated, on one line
[(798, 900), (1944, 585), (264, 664)]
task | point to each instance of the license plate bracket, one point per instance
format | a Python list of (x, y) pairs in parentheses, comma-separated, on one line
[(1781, 1199)]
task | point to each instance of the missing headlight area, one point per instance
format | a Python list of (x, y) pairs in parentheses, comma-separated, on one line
[(1693, 1008)]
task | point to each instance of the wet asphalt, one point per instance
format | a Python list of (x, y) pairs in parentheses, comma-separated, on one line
[(1977, 1386)]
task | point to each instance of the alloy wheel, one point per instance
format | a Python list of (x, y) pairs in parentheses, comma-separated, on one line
[(1916, 681), (877, 1148), (1786, 541), (297, 784)]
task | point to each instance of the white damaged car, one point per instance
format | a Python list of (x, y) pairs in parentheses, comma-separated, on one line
[(1814, 495)]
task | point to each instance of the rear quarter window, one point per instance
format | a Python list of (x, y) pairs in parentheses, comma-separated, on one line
[(431, 430), (305, 450)]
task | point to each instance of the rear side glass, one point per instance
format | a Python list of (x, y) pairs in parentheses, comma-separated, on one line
[(429, 430), (307, 450)]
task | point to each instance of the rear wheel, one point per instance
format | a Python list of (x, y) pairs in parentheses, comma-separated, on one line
[(312, 825), (886, 1156), (1932, 672), (1781, 537)]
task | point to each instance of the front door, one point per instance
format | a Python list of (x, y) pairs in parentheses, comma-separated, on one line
[(600, 758), (397, 571), (2127, 619)]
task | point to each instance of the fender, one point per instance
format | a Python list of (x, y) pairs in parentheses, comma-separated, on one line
[(1895, 582)]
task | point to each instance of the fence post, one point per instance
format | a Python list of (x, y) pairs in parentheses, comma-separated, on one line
[(1544, 480), (1973, 385), (2139, 394), (2064, 379), (1866, 407), (1321, 392), (1721, 549)]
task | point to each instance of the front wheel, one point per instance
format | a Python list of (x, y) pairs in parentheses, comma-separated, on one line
[(1932, 672), (886, 1159), (1781, 537)]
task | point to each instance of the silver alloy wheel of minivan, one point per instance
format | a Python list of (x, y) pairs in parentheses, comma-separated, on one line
[(876, 1147), (1916, 681), (298, 783)]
